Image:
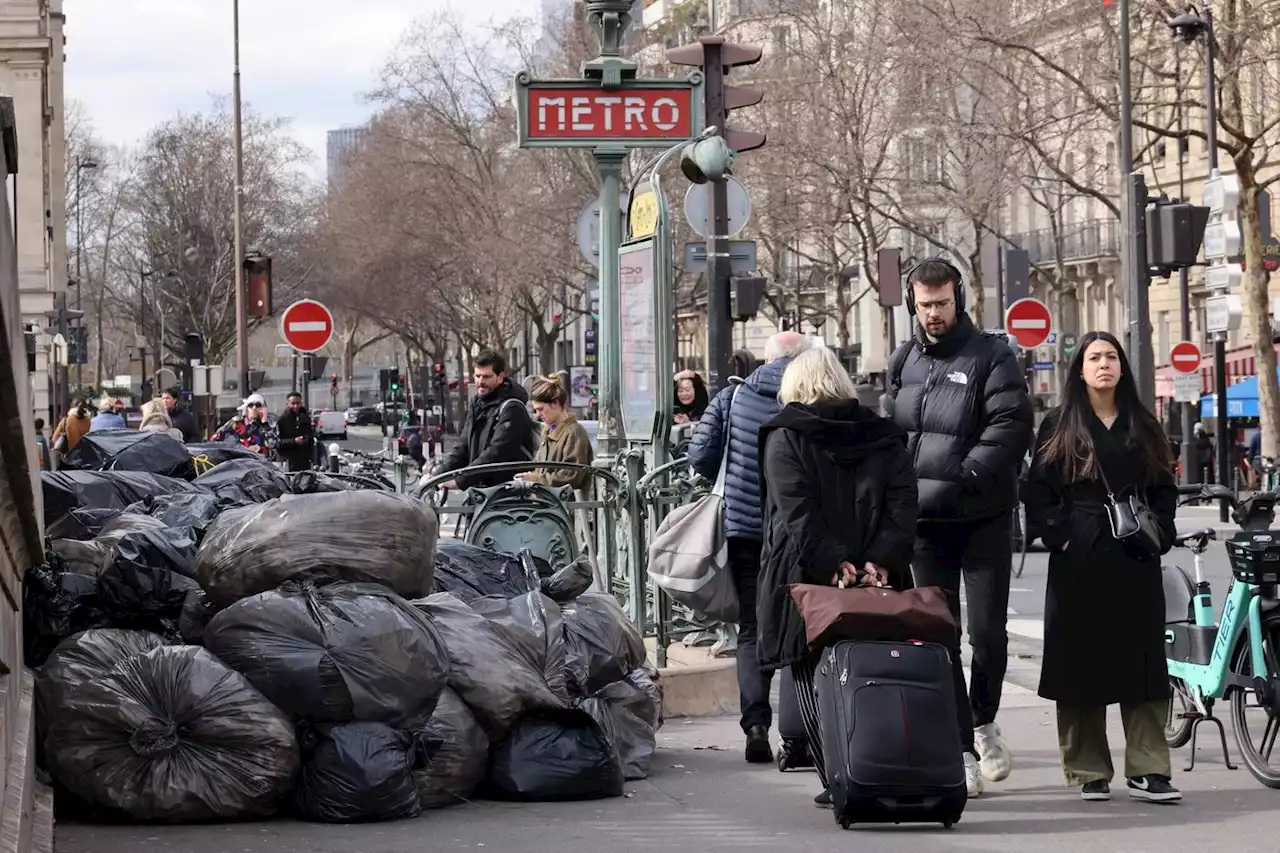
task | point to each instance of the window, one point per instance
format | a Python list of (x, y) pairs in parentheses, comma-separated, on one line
[(780, 42)]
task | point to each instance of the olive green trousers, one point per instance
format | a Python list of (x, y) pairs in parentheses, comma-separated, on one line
[(1086, 754)]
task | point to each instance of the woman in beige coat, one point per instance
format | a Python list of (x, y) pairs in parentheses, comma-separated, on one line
[(563, 438)]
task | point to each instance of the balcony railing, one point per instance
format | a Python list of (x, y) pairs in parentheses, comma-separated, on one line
[(1092, 240)]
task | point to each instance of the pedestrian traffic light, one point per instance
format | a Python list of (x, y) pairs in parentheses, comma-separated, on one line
[(715, 57), (1175, 232), (384, 380), (333, 383), (257, 271), (394, 379)]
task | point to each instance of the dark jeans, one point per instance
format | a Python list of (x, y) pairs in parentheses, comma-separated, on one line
[(982, 553), (297, 459), (753, 682)]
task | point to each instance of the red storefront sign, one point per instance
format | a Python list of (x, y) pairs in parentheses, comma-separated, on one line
[(556, 113)]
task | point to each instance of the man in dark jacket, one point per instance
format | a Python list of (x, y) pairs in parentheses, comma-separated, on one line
[(962, 398), (295, 434), (745, 413), (498, 427), (182, 419)]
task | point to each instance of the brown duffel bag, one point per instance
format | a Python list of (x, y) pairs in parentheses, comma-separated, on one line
[(869, 613)]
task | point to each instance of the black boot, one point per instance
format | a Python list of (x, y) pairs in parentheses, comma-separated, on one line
[(823, 800), (758, 749)]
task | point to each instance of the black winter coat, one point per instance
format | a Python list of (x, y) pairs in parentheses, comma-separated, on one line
[(290, 426), (755, 404), (964, 404), (185, 421), (498, 429), (838, 486), (1104, 605)]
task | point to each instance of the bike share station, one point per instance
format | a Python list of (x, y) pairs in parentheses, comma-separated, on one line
[(636, 481)]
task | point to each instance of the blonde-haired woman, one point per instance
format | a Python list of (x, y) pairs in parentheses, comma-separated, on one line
[(563, 438), (155, 418), (839, 499)]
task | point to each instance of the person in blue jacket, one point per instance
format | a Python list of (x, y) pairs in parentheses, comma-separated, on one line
[(738, 419)]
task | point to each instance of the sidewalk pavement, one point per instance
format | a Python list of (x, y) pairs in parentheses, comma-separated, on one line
[(702, 797)]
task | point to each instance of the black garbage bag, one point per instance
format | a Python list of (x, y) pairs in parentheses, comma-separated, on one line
[(631, 712), (196, 511), (130, 450), (243, 482), (56, 603), (495, 678), (360, 772), (533, 624), (338, 653), (554, 756), (64, 491), (569, 581), (169, 735), (144, 580), (468, 572), (347, 537), (80, 524), (603, 637), (195, 616), (85, 656), (318, 482), (459, 765)]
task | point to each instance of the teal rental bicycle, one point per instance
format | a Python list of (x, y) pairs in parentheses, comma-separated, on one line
[(1236, 658)]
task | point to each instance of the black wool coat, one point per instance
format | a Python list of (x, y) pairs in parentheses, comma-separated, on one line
[(1104, 606)]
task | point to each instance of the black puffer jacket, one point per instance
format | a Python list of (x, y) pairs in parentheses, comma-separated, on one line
[(498, 429), (963, 401), (838, 487), (754, 405)]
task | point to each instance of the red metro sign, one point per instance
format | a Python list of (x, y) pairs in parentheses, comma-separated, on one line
[(574, 113)]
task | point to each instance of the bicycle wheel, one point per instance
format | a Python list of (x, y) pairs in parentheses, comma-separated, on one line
[(1182, 713), (1249, 711)]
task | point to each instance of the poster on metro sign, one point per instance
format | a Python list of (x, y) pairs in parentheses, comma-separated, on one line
[(638, 347)]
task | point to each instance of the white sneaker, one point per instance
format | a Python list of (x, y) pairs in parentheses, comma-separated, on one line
[(972, 775), (996, 760)]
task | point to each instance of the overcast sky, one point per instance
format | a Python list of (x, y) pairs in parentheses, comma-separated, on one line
[(134, 63)]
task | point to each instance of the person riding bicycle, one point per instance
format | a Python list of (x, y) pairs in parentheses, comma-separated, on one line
[(1104, 604)]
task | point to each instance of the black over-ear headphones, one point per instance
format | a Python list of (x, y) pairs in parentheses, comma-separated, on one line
[(909, 293)]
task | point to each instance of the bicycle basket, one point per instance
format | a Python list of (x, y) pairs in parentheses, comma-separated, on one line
[(1255, 557)]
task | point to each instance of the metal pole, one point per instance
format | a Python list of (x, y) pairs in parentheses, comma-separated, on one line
[(719, 320), (1139, 332), (242, 319), (79, 256), (1221, 427), (612, 435)]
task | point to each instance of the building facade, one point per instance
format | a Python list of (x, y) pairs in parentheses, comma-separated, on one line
[(31, 72), (340, 144)]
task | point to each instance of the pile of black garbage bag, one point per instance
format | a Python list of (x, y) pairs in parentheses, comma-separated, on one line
[(247, 643)]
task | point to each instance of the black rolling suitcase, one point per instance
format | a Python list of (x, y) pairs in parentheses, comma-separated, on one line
[(889, 734), (793, 746)]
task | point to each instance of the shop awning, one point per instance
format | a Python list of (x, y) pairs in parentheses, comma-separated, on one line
[(1242, 400)]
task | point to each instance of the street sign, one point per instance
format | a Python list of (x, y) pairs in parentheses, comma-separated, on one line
[(1185, 357), (306, 325), (1186, 387), (581, 113), (698, 212), (742, 256), (1028, 321), (1043, 365), (207, 380), (1222, 194), (1223, 276), (1222, 239), (1222, 313), (588, 232)]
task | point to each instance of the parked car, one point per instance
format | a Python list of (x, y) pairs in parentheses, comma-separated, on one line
[(363, 415), (327, 424)]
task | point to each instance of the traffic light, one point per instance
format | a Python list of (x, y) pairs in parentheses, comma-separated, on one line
[(715, 57), (194, 347), (710, 159), (1175, 232), (333, 384), (78, 345), (384, 380), (745, 297), (257, 274), (395, 379)]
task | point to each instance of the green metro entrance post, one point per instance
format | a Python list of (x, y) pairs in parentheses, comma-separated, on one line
[(610, 111)]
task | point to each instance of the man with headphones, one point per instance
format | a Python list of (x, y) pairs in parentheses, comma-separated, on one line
[(962, 398)]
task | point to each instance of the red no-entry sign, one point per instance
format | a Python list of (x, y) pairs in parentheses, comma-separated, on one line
[(1028, 322), (306, 325), (1185, 357)]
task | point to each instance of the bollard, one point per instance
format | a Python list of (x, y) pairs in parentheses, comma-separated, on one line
[(401, 466), (335, 461)]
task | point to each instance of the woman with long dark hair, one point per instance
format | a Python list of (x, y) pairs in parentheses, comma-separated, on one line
[(1104, 606), (691, 397)]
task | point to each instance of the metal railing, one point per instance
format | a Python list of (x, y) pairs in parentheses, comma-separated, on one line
[(1097, 238)]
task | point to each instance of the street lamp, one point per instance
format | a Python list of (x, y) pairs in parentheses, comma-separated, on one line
[(242, 308), (82, 163)]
